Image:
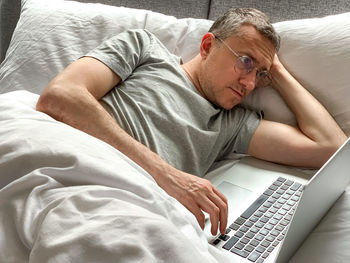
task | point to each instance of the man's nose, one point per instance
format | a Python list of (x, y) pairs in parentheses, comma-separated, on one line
[(248, 80)]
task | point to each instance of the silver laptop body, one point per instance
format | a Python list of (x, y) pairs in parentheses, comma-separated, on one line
[(251, 183)]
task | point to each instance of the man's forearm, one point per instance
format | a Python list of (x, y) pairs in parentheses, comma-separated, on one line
[(81, 110)]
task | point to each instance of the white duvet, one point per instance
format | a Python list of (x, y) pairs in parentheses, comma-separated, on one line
[(68, 197)]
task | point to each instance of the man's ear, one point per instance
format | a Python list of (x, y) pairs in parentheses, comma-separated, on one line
[(206, 44)]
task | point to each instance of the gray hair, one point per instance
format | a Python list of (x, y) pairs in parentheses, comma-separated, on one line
[(230, 23)]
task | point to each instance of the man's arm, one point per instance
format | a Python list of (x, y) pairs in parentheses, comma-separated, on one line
[(310, 144), (72, 97)]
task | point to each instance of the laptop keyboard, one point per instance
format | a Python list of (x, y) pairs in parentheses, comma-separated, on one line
[(260, 228)]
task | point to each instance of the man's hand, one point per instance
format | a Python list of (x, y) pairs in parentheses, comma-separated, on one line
[(197, 195)]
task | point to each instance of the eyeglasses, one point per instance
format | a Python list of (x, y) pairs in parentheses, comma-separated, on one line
[(245, 64)]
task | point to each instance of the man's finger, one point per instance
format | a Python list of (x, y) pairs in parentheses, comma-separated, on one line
[(207, 205), (223, 210)]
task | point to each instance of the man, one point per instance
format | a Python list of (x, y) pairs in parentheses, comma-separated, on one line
[(175, 120)]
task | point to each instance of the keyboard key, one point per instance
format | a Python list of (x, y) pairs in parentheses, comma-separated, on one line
[(229, 244), (224, 237), (263, 209), (254, 243), (268, 192), (264, 219), (253, 207), (248, 224), (267, 204), (260, 249), (241, 253), (254, 230), (276, 196), (216, 241), (270, 238), (280, 191), (249, 248), (268, 226), (270, 249), (245, 240), (295, 198), (264, 232), (284, 187), (272, 200), (275, 244), (254, 256), (240, 221), (265, 244), (273, 221), (249, 235), (284, 222), (277, 183), (281, 179), (234, 226), (258, 214), (259, 237), (265, 255), (275, 233), (253, 219), (278, 217), (268, 215), (259, 224), (295, 186), (286, 207), (239, 234), (239, 246), (286, 196), (279, 228), (273, 187), (243, 229), (289, 182)]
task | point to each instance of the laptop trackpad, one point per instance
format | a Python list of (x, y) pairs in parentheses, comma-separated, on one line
[(234, 193)]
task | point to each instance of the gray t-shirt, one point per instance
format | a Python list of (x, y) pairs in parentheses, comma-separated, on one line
[(159, 106)]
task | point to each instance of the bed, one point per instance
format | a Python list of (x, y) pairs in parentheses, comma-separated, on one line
[(68, 197)]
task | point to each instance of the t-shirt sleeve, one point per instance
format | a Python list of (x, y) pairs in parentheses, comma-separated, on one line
[(244, 123), (124, 52)]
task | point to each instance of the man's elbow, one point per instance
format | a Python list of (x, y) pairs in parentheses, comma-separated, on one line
[(51, 102), (334, 144)]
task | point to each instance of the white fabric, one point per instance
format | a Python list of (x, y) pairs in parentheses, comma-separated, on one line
[(69, 197), (52, 34)]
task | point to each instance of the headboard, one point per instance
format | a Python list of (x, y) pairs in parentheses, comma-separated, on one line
[(278, 10)]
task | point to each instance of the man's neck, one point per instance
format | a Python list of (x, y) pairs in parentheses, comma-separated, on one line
[(191, 69)]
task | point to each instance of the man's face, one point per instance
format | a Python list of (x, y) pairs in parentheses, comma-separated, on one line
[(220, 81)]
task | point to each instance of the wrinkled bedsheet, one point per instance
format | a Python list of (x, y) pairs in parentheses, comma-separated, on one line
[(68, 197)]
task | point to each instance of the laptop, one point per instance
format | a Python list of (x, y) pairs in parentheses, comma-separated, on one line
[(273, 208)]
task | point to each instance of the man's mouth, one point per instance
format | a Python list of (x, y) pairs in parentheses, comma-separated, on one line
[(239, 94)]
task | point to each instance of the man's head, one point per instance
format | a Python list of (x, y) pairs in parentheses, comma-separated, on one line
[(236, 53), (230, 23)]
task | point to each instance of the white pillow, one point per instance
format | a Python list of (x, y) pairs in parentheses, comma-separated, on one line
[(317, 52), (52, 34)]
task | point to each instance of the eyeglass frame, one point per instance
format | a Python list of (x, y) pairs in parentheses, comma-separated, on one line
[(239, 57)]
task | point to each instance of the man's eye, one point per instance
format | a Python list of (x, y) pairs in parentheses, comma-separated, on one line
[(263, 74), (247, 62)]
